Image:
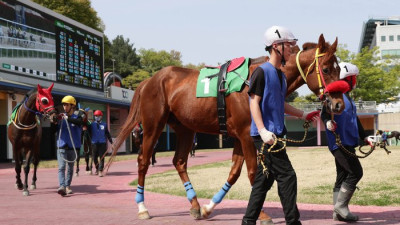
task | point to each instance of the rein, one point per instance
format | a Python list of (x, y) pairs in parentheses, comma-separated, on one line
[(261, 156), (18, 123)]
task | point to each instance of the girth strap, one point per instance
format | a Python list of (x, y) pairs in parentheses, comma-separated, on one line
[(221, 98)]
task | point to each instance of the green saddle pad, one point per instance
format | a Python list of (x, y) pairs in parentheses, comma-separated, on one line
[(207, 86)]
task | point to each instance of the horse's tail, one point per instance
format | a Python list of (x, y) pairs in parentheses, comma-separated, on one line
[(131, 121)]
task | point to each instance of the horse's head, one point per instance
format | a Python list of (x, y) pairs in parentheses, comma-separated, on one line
[(318, 67), (45, 103)]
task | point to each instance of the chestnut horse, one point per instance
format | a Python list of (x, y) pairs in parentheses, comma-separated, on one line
[(169, 97), (25, 132)]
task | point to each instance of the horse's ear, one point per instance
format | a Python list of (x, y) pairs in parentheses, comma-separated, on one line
[(39, 88), (51, 87), (321, 43), (334, 45)]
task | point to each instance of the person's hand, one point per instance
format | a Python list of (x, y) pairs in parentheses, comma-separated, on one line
[(311, 116), (367, 141), (331, 125), (63, 116), (267, 136)]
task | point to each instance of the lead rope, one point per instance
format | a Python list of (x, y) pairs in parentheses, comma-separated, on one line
[(345, 150), (70, 136), (261, 156)]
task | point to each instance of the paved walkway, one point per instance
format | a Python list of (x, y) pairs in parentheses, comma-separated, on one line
[(110, 200)]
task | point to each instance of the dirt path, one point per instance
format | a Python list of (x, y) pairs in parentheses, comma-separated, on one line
[(110, 200)]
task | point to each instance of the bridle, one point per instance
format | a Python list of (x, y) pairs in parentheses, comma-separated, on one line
[(321, 80), (42, 112)]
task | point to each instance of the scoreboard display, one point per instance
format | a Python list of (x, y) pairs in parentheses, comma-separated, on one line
[(37, 42), (79, 59)]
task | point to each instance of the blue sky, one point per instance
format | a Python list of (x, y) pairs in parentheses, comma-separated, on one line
[(213, 31)]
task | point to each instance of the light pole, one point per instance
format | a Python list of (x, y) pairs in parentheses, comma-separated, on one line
[(113, 60)]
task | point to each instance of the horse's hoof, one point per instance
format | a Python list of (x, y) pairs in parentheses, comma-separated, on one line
[(76, 175), (89, 172), (144, 215), (33, 187), (19, 187), (195, 213), (25, 193), (204, 213), (266, 222)]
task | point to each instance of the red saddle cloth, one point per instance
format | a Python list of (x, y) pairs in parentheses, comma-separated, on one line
[(235, 63)]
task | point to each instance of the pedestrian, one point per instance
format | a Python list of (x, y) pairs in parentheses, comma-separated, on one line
[(68, 140), (348, 168), (194, 146), (267, 93), (100, 134)]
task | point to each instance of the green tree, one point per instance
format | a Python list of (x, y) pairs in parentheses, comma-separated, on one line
[(78, 10), (132, 81), (124, 54), (152, 60)]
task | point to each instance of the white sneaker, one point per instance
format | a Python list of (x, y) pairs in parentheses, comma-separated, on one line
[(69, 190)]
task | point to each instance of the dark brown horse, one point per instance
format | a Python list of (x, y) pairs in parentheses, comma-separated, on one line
[(25, 132), (169, 97), (87, 147), (394, 134)]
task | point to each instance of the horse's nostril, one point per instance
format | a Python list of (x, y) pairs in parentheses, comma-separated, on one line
[(338, 106)]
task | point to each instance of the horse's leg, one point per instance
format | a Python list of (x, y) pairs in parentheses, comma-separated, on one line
[(78, 158), (35, 162), (27, 166), (86, 149), (151, 133), (184, 143), (18, 164), (238, 157)]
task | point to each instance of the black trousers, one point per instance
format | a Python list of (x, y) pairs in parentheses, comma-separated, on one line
[(98, 151), (348, 168), (280, 169)]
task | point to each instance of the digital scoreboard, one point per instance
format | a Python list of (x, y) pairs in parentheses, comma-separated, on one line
[(79, 56)]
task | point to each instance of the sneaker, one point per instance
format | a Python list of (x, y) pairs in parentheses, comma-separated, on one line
[(61, 191), (101, 174), (69, 190)]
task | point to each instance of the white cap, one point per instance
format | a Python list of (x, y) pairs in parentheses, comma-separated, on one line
[(278, 34), (347, 69)]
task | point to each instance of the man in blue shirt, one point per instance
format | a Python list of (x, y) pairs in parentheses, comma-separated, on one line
[(267, 94), (68, 140), (348, 168), (100, 134)]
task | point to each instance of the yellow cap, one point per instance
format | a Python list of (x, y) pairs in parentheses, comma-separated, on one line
[(69, 99)]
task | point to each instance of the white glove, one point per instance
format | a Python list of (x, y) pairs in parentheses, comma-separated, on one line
[(64, 116), (331, 125), (267, 136)]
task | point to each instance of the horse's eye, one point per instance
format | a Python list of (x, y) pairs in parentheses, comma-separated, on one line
[(45, 101), (325, 70)]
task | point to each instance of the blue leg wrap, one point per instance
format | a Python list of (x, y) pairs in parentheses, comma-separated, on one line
[(221, 194), (139, 194), (190, 193)]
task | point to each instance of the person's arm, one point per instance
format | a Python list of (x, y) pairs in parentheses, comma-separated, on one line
[(256, 111), (79, 120), (300, 113), (108, 135)]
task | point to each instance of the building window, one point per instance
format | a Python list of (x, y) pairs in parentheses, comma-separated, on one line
[(391, 38), (398, 37), (383, 38)]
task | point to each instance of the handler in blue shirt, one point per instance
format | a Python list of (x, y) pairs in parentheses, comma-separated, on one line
[(99, 132), (348, 168), (68, 139)]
